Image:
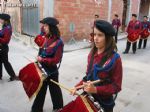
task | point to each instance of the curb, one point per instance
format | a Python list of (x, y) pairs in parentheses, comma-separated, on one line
[(29, 41)]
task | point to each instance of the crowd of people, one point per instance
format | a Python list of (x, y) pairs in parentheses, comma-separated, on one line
[(136, 31)]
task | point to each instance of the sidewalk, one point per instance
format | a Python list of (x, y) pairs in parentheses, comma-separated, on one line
[(68, 47)]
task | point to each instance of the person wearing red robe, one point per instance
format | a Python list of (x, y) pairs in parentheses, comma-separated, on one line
[(144, 33), (133, 30)]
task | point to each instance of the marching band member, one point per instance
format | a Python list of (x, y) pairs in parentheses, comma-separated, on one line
[(133, 30), (103, 63), (145, 32), (5, 36), (50, 54), (116, 24), (96, 17)]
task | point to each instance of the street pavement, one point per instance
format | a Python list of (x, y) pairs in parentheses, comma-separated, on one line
[(134, 96)]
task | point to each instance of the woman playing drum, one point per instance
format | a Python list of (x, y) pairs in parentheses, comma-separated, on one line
[(50, 54), (103, 63)]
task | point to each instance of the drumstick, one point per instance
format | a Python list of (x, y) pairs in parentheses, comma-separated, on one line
[(62, 86), (92, 82)]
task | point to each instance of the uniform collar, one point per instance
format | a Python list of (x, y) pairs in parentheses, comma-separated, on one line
[(99, 55)]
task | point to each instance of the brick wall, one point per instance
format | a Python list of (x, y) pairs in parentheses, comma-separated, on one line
[(135, 6), (144, 9), (117, 8), (81, 13)]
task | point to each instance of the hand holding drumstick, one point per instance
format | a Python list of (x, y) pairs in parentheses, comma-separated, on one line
[(87, 86)]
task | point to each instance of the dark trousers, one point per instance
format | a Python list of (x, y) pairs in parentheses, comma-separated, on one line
[(140, 43), (108, 111), (4, 60), (116, 36), (133, 47), (107, 104), (55, 92)]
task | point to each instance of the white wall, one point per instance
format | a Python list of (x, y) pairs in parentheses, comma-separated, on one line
[(48, 8)]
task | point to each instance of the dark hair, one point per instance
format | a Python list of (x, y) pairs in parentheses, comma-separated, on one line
[(109, 47), (54, 31), (134, 15), (96, 15), (145, 17), (6, 22), (116, 15)]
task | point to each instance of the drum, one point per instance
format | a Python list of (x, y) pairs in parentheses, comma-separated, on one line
[(40, 40), (32, 76), (82, 104), (133, 37), (144, 34)]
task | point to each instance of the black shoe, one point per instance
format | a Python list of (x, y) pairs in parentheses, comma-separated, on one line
[(125, 52), (13, 78), (134, 52), (0, 78), (36, 111), (56, 110), (139, 48)]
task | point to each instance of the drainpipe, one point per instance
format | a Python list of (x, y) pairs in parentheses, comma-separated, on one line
[(21, 16), (149, 11), (139, 7), (109, 10)]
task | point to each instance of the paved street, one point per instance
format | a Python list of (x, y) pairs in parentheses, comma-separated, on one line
[(134, 96)]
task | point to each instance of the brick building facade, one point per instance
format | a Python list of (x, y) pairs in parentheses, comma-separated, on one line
[(77, 15), (144, 9), (81, 14)]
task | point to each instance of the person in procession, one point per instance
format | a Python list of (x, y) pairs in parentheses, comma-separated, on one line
[(5, 36), (144, 33), (50, 54), (133, 30), (104, 63), (96, 17), (116, 24)]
